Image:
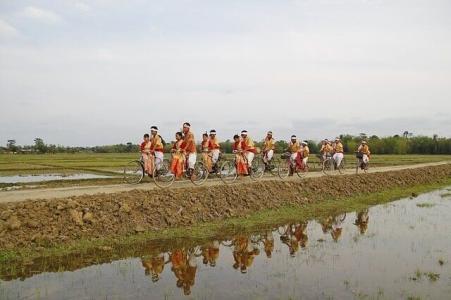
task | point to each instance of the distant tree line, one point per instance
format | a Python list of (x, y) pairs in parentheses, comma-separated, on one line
[(398, 144)]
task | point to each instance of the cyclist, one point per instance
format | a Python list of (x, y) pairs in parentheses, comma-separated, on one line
[(338, 152), (157, 147), (293, 148), (189, 147), (206, 151), (214, 148), (145, 153), (326, 149), (178, 159), (247, 145), (305, 150), (365, 151), (268, 148), (241, 167)]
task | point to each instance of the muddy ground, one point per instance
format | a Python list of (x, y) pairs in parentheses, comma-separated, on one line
[(44, 223)]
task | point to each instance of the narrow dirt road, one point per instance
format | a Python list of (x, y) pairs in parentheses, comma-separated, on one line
[(22, 195)]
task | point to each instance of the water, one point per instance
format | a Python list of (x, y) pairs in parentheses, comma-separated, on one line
[(48, 177), (391, 251)]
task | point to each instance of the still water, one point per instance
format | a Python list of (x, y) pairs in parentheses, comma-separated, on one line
[(49, 177), (399, 250)]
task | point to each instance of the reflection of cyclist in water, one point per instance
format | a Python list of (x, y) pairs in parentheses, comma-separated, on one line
[(362, 220), (295, 236), (154, 266), (326, 224), (210, 253), (337, 226), (268, 243), (244, 253), (184, 266)]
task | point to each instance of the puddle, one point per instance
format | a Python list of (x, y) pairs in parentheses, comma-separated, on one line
[(394, 251), (49, 177)]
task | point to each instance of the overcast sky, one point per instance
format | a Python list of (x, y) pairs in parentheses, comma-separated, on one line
[(102, 72)]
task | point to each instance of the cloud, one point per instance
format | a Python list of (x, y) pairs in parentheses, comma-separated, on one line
[(41, 15), (6, 30), (82, 7)]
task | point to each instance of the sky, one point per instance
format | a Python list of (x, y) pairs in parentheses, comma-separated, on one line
[(103, 71)]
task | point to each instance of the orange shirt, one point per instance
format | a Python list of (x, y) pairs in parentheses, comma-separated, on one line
[(364, 149), (189, 145), (204, 146), (248, 145), (339, 147), (146, 146), (305, 151), (213, 144), (294, 147), (157, 144), (269, 144)]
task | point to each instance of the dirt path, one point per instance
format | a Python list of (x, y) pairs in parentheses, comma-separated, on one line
[(22, 195)]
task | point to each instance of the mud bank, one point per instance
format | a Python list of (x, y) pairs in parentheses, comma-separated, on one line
[(45, 223)]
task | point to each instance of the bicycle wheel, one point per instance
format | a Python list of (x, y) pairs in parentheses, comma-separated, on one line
[(227, 172), (328, 166), (258, 168), (133, 172), (284, 169), (272, 166), (200, 174), (342, 167), (162, 177)]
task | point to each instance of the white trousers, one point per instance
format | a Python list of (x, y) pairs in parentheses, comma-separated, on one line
[(305, 160), (159, 156), (293, 156), (192, 160), (214, 155), (365, 158), (338, 157), (269, 155), (250, 157)]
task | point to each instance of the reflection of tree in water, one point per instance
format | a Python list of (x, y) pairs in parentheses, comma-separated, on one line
[(362, 220)]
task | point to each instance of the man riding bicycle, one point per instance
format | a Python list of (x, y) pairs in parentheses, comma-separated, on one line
[(325, 150), (268, 148), (364, 150), (305, 150), (189, 147), (157, 147), (248, 147), (338, 152), (293, 149), (214, 148)]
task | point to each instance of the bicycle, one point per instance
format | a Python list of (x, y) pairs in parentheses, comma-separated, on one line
[(329, 165), (162, 176), (228, 170), (360, 164), (288, 166), (271, 165), (134, 172)]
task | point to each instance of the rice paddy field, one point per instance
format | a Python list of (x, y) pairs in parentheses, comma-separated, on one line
[(105, 168)]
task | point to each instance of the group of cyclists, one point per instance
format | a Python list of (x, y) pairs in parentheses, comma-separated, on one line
[(184, 152)]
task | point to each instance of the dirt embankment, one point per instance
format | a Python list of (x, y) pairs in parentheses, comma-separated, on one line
[(43, 223)]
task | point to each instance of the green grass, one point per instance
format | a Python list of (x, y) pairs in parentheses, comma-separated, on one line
[(126, 246), (425, 205)]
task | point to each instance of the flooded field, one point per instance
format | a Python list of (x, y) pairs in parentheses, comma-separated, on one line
[(49, 177), (399, 250)]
